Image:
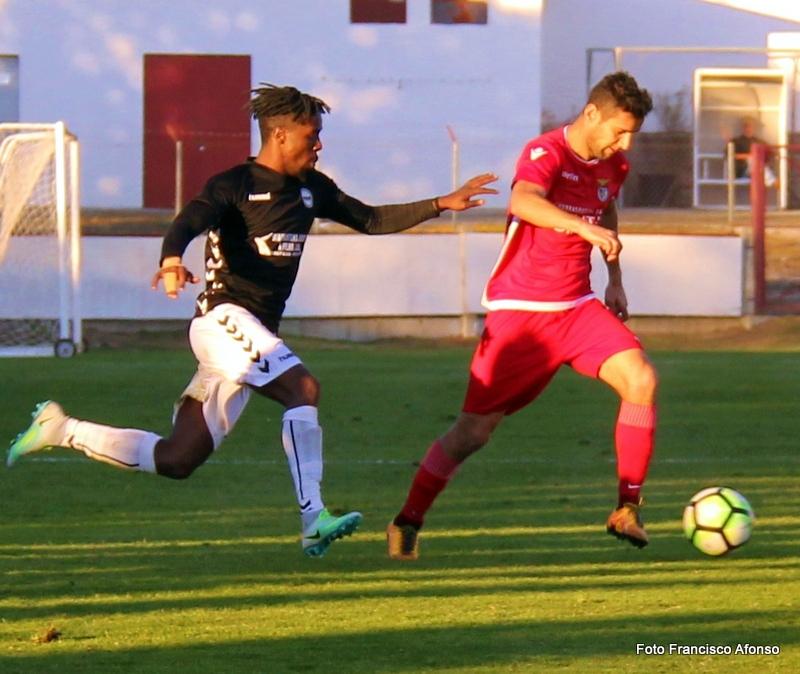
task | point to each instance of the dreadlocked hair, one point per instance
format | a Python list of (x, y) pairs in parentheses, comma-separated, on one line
[(621, 90), (270, 101)]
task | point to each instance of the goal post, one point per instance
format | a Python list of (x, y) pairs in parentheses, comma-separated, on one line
[(40, 241)]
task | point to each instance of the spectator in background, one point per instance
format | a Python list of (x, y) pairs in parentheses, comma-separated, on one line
[(742, 144)]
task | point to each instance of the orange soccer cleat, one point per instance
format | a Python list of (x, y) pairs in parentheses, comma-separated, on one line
[(626, 524)]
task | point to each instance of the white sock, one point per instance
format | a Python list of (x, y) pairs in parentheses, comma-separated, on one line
[(127, 448), (302, 442)]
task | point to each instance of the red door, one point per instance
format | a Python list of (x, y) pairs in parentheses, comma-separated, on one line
[(201, 100)]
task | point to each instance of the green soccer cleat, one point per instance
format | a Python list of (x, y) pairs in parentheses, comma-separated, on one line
[(46, 430), (326, 529)]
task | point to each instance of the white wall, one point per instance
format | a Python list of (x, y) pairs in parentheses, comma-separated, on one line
[(402, 275), (393, 88)]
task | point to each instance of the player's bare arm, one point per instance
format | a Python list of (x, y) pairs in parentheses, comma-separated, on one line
[(174, 275), (529, 203), (464, 197), (615, 298)]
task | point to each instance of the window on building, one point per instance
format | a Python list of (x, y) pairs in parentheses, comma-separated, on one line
[(459, 11), (377, 11)]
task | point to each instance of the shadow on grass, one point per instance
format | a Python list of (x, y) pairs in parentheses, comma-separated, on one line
[(97, 579), (412, 649)]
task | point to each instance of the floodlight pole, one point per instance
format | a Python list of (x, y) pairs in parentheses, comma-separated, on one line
[(178, 176), (458, 225)]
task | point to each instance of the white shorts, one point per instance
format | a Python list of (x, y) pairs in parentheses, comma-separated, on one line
[(234, 351)]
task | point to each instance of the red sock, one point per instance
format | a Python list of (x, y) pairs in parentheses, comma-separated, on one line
[(634, 440), (431, 478)]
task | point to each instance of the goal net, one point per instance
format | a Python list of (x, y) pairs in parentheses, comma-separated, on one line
[(775, 228), (39, 240)]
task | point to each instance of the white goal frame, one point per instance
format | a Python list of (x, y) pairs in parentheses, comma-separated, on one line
[(67, 337)]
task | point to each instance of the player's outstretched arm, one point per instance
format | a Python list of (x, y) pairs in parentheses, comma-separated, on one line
[(174, 275), (464, 197), (391, 218)]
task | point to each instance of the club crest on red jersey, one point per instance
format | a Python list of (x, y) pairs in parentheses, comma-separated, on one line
[(602, 189)]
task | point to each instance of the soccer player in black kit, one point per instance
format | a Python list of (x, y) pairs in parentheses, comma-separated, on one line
[(258, 216)]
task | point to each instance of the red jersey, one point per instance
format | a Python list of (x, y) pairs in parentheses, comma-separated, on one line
[(542, 269)]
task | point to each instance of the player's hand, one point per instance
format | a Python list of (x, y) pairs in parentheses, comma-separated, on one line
[(464, 197), (174, 275), (616, 301), (602, 237)]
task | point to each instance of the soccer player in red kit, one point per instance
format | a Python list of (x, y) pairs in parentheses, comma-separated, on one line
[(542, 313)]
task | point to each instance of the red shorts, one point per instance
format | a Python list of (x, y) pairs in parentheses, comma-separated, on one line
[(520, 352)]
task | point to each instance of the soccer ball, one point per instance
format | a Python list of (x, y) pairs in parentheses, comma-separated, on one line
[(718, 520)]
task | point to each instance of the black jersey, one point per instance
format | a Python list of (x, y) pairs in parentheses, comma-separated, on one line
[(258, 221), (742, 145)]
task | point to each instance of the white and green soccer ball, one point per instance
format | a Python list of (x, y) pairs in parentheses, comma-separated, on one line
[(718, 520)]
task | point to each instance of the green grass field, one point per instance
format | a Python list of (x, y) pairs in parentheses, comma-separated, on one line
[(141, 574)]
